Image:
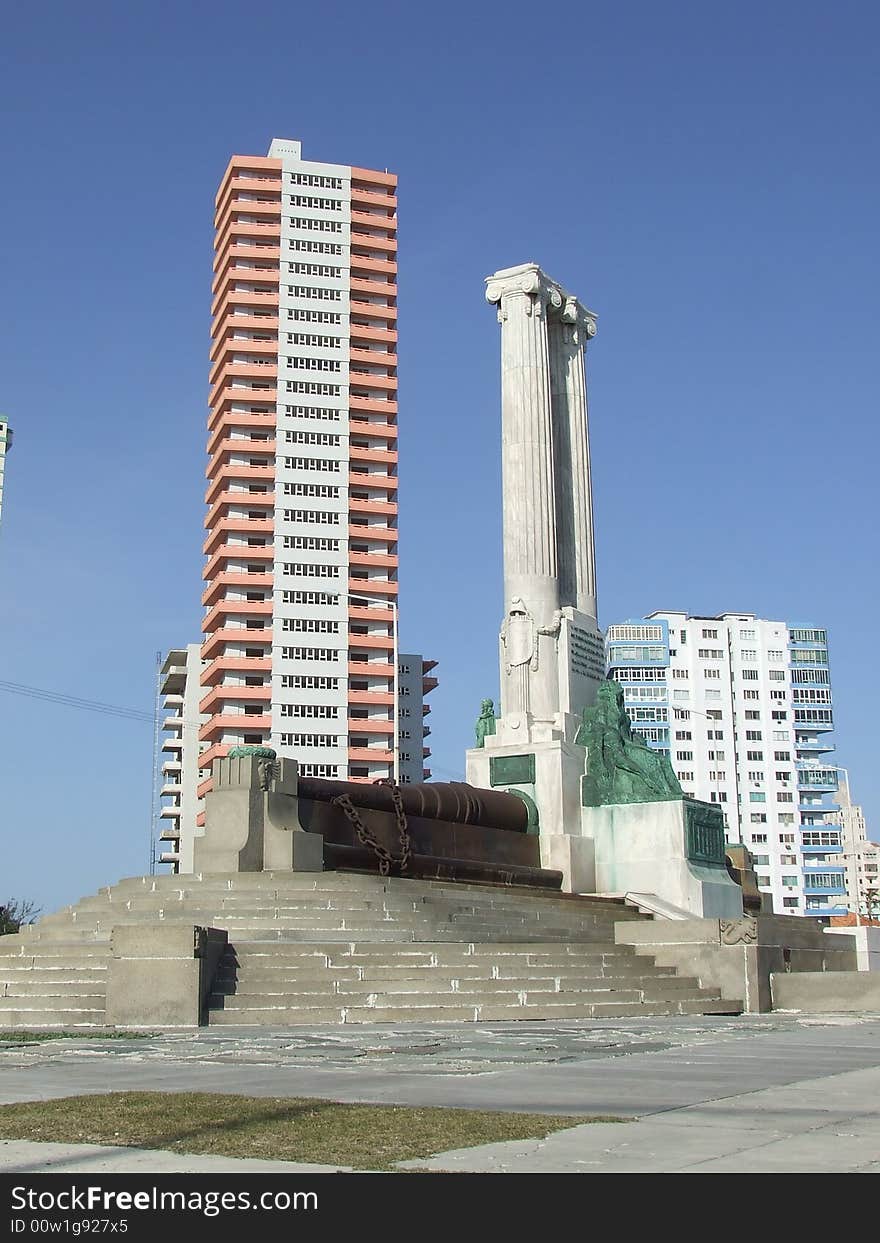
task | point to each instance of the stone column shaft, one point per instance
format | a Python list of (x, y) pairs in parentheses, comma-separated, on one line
[(530, 557), (574, 497)]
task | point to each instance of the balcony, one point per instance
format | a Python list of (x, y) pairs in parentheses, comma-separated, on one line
[(822, 780), (815, 746)]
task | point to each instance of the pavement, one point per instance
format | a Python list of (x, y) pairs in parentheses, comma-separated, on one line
[(754, 1093)]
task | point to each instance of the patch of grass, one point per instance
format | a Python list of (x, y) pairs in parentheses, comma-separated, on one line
[(365, 1137), (19, 1037)]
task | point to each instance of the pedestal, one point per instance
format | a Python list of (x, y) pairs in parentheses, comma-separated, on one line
[(666, 849)]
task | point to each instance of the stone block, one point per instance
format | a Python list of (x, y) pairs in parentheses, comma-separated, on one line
[(161, 975), (826, 992)]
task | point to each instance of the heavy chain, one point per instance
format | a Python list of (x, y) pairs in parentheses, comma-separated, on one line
[(369, 839)]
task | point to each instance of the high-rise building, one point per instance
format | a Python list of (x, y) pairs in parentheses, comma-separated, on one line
[(180, 691), (742, 707), (301, 634), (414, 684), (5, 446), (302, 475), (861, 857)]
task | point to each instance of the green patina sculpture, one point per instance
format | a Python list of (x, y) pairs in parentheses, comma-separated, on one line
[(267, 767), (485, 721), (239, 753), (621, 768)]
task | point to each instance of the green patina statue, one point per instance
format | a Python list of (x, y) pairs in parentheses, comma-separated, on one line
[(239, 752), (621, 768), (485, 721), (267, 766)]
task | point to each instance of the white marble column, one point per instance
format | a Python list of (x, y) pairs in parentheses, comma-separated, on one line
[(529, 679), (568, 331)]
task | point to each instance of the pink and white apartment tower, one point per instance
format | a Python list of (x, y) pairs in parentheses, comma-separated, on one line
[(300, 629)]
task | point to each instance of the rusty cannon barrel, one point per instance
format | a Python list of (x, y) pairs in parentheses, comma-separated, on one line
[(452, 801)]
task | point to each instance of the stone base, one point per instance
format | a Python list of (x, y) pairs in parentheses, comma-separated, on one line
[(253, 821), (739, 956), (161, 976), (642, 848), (574, 857)]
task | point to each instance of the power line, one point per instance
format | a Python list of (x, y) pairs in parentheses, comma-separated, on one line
[(74, 701)]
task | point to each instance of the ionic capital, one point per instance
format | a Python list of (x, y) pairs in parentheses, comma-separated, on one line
[(540, 294), (526, 281)]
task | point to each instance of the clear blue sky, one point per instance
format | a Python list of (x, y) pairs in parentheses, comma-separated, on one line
[(703, 176)]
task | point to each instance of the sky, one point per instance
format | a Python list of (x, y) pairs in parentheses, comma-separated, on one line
[(703, 176)]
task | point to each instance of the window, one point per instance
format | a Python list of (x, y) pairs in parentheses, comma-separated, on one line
[(748, 654), (761, 861), (788, 861), (680, 673), (775, 655), (757, 796), (749, 675), (749, 694), (758, 817), (780, 735), (809, 656), (780, 716), (821, 839), (310, 710), (753, 714), (755, 755), (790, 902), (823, 880), (684, 755), (785, 796), (783, 776), (639, 654), (710, 634), (318, 204), (776, 675), (685, 776), (809, 636), (753, 735), (649, 634), (683, 735), (715, 797), (759, 839), (786, 817), (747, 635), (783, 757), (787, 839), (711, 653), (310, 740), (756, 775), (711, 673)]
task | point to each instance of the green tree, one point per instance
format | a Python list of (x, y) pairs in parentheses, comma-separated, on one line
[(14, 913)]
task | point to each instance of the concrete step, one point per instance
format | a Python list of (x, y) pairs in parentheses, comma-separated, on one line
[(48, 996), (27, 1016), (315, 1016), (52, 988)]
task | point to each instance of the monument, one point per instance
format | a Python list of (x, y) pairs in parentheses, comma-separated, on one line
[(609, 812)]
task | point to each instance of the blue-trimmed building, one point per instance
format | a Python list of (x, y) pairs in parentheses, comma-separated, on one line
[(742, 706)]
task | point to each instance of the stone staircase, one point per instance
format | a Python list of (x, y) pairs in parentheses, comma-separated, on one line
[(341, 947)]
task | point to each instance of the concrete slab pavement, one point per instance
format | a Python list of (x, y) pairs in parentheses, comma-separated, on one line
[(756, 1092)]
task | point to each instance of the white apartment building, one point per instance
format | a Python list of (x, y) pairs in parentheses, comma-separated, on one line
[(742, 706), (179, 755), (181, 810), (414, 684)]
